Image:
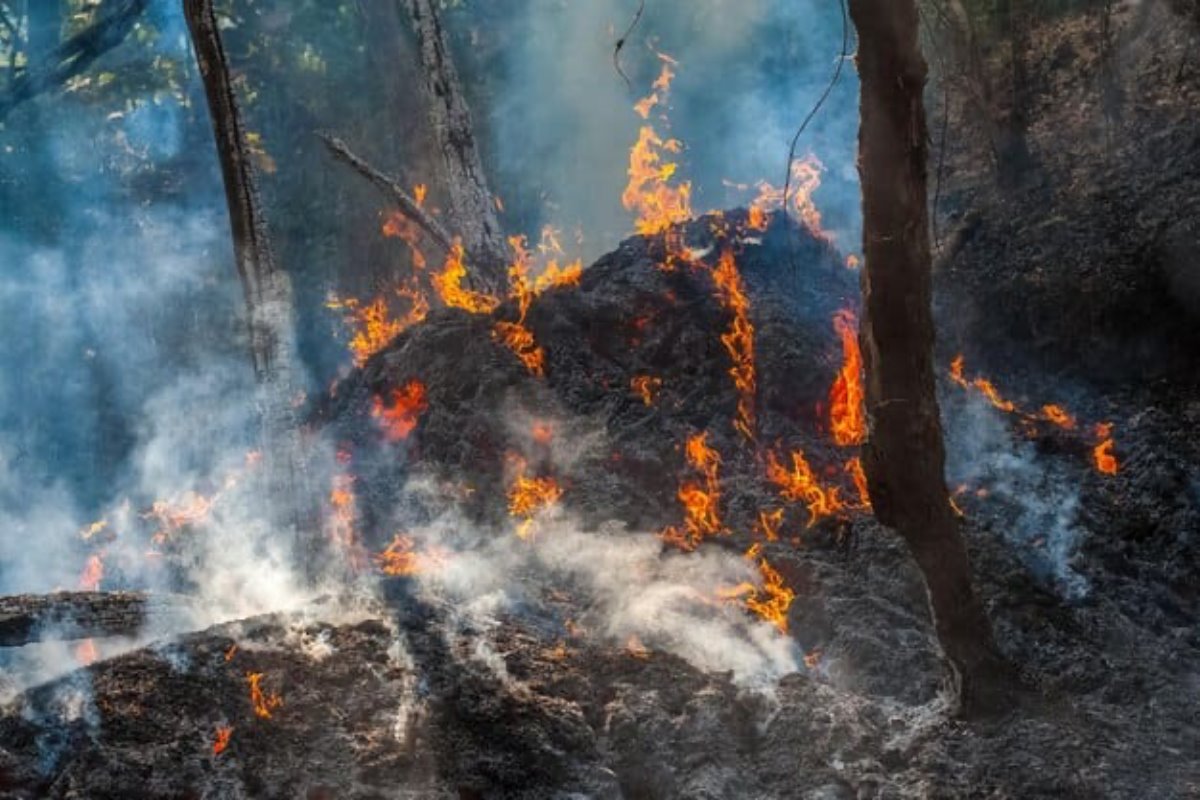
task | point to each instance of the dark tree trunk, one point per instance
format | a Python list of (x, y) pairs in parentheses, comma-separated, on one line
[(904, 456), (267, 290), (472, 209)]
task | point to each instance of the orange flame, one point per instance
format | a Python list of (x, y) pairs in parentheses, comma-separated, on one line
[(738, 340), (86, 653), (701, 500), (373, 326), (646, 387), (342, 520), (93, 573), (854, 469), (516, 337), (529, 496), (1102, 454), (402, 559), (800, 484), (263, 702), (768, 524), (1059, 416), (91, 530), (224, 734), (772, 601), (400, 418), (649, 194), (806, 179), (448, 284), (173, 515), (847, 418), (542, 432)]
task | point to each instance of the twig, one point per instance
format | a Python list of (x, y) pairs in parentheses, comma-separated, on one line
[(621, 43), (390, 187)]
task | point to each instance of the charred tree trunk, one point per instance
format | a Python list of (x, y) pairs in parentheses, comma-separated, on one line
[(267, 289), (904, 456), (472, 207)]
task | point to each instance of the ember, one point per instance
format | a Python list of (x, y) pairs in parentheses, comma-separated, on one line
[(646, 387), (221, 741), (400, 418)]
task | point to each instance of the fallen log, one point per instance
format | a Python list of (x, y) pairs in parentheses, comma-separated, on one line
[(29, 618)]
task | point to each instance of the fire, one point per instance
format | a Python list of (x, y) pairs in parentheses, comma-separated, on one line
[(400, 418), (419, 193), (342, 520), (86, 653), (96, 527), (402, 559), (1102, 454), (542, 432), (646, 387), (182, 511), (649, 194), (373, 325), (983, 385), (448, 284), (800, 484), (701, 500), (738, 340), (854, 469), (1059, 416), (263, 702), (93, 573), (805, 180), (769, 523), (516, 337), (529, 496), (221, 741), (847, 418), (772, 601)]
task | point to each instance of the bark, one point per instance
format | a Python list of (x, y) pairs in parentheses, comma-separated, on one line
[(79, 615), (472, 208), (904, 456), (267, 290), (116, 19)]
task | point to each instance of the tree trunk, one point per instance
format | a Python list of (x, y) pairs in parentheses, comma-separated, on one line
[(267, 290), (1013, 158), (472, 209), (904, 456)]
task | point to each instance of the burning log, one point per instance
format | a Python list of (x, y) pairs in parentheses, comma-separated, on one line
[(471, 201), (28, 618), (267, 287)]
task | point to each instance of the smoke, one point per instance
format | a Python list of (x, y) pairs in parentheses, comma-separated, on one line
[(561, 122)]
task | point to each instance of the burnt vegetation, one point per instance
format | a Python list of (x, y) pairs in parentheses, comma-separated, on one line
[(459, 399)]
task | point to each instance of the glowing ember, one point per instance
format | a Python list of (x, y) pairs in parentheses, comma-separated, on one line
[(701, 500), (221, 741), (646, 387), (401, 558), (738, 340), (448, 285), (527, 497), (542, 432), (400, 418), (516, 337), (263, 702), (93, 573), (800, 484), (1059, 416), (1102, 454), (847, 417)]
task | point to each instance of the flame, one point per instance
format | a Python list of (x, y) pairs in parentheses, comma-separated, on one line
[(263, 703), (738, 340), (86, 653), (341, 523), (96, 527), (527, 497), (646, 387), (182, 511), (542, 432), (93, 573), (768, 524), (448, 284), (1102, 454), (772, 601), (401, 558), (373, 326), (701, 500), (1058, 416), (519, 339), (806, 179), (419, 192), (854, 469), (649, 194), (983, 385), (221, 741), (400, 418), (847, 418), (800, 484)]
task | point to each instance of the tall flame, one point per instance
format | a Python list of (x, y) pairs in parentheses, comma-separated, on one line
[(738, 340), (263, 702), (527, 497), (93, 573), (401, 416), (847, 419), (701, 500), (650, 194), (448, 284)]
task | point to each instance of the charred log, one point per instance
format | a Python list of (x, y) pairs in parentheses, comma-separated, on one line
[(472, 206), (75, 55), (904, 456), (29, 618), (390, 187), (266, 286)]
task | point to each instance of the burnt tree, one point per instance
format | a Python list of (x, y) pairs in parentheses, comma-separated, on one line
[(904, 456), (472, 208), (266, 286)]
